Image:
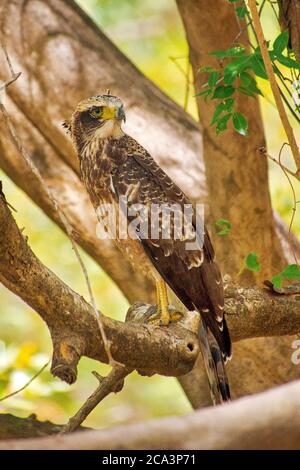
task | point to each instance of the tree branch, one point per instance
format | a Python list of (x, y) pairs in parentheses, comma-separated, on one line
[(112, 383), (254, 312), (72, 324), (73, 328), (12, 427), (269, 420)]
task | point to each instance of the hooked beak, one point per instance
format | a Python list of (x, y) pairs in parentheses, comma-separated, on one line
[(121, 114)]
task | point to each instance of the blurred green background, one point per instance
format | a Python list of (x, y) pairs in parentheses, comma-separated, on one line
[(151, 35)]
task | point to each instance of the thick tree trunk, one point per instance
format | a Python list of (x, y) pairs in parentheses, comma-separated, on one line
[(237, 177), (237, 184), (289, 16), (63, 58)]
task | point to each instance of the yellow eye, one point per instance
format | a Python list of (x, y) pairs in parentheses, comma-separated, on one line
[(96, 112)]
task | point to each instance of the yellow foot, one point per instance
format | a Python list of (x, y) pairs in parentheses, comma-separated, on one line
[(165, 313), (175, 315), (163, 319), (159, 318)]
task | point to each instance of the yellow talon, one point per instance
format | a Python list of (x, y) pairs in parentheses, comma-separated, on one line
[(165, 313), (162, 302), (162, 317), (176, 316)]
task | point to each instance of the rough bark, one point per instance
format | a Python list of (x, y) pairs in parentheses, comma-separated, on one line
[(237, 184), (72, 323), (168, 351), (289, 16), (254, 312), (237, 178), (12, 427), (269, 421)]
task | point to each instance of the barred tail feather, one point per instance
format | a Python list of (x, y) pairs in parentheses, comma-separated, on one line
[(214, 365)]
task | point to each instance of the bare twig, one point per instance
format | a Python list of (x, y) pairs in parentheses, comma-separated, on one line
[(263, 151), (287, 173), (2, 195), (27, 383), (275, 89), (8, 60), (180, 67), (8, 82), (187, 85), (294, 208), (68, 228), (113, 383)]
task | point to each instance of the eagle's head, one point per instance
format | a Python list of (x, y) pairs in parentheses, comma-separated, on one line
[(98, 117)]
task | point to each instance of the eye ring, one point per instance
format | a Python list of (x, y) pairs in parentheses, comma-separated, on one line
[(96, 112)]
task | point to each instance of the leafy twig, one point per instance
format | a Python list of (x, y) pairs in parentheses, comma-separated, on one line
[(294, 208), (263, 151), (275, 89), (186, 73)]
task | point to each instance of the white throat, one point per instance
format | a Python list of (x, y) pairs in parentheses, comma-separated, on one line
[(111, 128)]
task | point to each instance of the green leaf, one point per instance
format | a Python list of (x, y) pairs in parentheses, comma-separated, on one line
[(292, 271), (233, 1), (240, 123), (292, 64), (276, 281), (234, 68), (249, 83), (258, 66), (252, 262), (247, 80), (226, 105), (245, 91), (223, 92), (281, 42), (225, 227), (235, 51), (218, 110), (229, 76), (213, 78), (241, 11), (222, 123)]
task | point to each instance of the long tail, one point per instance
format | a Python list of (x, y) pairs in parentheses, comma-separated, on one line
[(214, 365)]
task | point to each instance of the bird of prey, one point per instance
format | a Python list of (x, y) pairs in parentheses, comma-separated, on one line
[(114, 166)]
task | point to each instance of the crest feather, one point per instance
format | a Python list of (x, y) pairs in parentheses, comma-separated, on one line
[(67, 125)]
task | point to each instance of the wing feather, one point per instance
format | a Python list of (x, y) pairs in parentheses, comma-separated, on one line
[(193, 275)]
